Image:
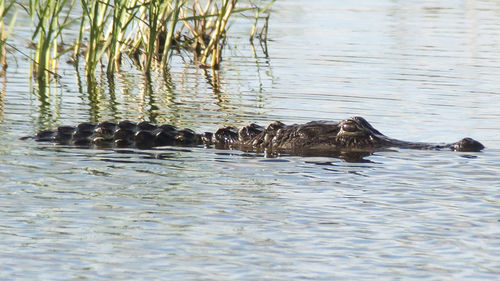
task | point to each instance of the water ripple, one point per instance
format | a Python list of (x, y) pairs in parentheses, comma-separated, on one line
[(417, 70)]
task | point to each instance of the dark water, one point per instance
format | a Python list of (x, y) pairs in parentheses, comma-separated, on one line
[(417, 70)]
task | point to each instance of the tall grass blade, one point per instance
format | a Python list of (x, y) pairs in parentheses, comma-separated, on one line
[(174, 17), (5, 34), (97, 13), (123, 15), (49, 24)]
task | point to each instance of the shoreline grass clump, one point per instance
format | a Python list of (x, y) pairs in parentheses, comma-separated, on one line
[(148, 32)]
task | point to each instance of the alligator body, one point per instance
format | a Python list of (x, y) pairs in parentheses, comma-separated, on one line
[(320, 138)]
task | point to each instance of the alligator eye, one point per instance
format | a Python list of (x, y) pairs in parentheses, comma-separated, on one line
[(349, 127)]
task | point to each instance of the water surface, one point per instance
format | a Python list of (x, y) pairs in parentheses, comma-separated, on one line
[(417, 70)]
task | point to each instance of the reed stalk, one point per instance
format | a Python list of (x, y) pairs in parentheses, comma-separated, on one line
[(78, 44), (4, 9), (5, 34), (123, 15), (258, 12), (157, 29), (96, 12), (202, 24), (148, 31), (173, 18), (49, 24), (214, 46), (152, 30)]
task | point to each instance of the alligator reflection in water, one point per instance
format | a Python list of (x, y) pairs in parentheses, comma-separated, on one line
[(351, 138)]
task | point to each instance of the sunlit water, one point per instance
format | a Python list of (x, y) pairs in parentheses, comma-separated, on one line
[(417, 70)]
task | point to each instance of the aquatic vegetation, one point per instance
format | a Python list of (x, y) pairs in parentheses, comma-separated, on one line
[(148, 32), (49, 22), (96, 14), (122, 18), (258, 11), (214, 47), (4, 34)]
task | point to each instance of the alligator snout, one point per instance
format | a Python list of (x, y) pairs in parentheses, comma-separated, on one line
[(468, 144)]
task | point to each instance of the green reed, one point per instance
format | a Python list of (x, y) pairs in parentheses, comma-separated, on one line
[(95, 14), (214, 47), (173, 18), (152, 28), (258, 11), (49, 23), (4, 9), (147, 31), (123, 15)]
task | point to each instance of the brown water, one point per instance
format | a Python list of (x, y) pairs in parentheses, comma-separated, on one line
[(417, 70)]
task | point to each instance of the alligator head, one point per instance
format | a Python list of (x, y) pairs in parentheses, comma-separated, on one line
[(353, 135), (357, 133)]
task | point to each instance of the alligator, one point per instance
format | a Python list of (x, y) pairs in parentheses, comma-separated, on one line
[(315, 138)]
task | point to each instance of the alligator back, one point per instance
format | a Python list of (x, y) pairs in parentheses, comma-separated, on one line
[(121, 134)]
